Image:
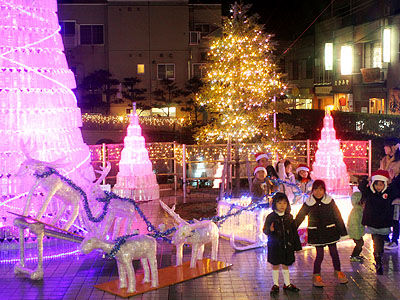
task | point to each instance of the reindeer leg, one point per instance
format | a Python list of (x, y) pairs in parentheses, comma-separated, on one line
[(145, 265), (73, 217), (29, 199), (200, 252), (214, 248), (131, 276), (179, 254), (154, 272), (121, 275), (195, 251), (50, 195), (59, 214)]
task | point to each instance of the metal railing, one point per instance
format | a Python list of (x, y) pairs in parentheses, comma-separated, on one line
[(178, 163)]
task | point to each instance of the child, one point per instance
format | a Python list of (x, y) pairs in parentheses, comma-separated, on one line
[(258, 188), (262, 159), (355, 228), (325, 227), (283, 240), (378, 211), (284, 169), (304, 182)]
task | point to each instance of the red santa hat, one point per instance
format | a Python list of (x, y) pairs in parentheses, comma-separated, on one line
[(302, 167), (260, 155), (381, 175), (258, 168)]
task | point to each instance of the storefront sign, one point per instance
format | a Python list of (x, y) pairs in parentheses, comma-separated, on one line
[(371, 74), (323, 90)]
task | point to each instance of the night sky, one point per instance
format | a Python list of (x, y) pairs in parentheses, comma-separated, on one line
[(285, 18)]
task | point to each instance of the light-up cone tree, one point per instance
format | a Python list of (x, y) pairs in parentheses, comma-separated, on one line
[(329, 164), (241, 82), (38, 110), (135, 178)]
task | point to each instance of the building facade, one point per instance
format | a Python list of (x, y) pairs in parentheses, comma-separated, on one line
[(148, 40), (356, 49)]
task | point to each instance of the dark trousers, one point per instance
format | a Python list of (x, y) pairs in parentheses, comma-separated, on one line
[(378, 241), (358, 247), (395, 234), (320, 257)]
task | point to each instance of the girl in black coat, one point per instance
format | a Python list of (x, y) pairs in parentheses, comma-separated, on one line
[(325, 227), (378, 210), (283, 240)]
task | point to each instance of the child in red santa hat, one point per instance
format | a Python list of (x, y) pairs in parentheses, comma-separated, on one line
[(304, 182), (259, 187), (378, 211)]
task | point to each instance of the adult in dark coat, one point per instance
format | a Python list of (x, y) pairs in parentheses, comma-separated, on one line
[(325, 227), (283, 241)]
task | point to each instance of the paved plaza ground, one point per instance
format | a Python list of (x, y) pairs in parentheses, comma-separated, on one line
[(250, 276)]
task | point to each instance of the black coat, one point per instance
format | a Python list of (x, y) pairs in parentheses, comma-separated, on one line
[(283, 241), (325, 223), (378, 210)]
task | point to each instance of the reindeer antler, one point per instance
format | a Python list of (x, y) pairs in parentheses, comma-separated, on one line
[(172, 213), (104, 172)]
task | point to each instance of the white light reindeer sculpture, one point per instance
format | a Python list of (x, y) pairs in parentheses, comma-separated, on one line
[(141, 247), (54, 187), (197, 234)]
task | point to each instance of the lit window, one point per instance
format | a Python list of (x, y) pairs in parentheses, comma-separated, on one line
[(386, 45), (346, 60), (140, 68), (166, 71), (377, 56), (328, 56)]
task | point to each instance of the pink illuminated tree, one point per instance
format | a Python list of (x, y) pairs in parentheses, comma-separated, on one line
[(37, 106), (135, 178), (329, 164)]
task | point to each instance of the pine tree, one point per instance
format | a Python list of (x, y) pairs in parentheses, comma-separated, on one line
[(241, 82)]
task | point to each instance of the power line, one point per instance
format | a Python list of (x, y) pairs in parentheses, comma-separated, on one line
[(291, 45)]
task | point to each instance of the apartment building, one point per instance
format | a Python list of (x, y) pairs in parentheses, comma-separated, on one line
[(151, 40)]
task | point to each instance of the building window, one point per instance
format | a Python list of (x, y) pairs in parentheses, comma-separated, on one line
[(194, 38), (92, 34), (140, 68), (203, 28), (67, 28), (198, 70), (166, 71)]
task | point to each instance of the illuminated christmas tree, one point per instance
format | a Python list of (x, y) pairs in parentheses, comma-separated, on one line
[(38, 110), (135, 178), (241, 82), (329, 164)]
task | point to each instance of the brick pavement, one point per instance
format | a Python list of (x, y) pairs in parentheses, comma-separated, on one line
[(250, 276)]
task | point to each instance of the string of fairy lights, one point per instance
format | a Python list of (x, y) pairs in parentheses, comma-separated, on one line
[(355, 153), (98, 121)]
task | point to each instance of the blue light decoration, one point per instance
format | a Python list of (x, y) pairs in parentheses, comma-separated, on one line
[(150, 227)]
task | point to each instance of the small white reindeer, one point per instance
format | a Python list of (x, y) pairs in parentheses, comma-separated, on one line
[(197, 234), (141, 247)]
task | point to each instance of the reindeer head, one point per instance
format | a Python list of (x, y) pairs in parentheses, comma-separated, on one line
[(94, 191), (89, 244)]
